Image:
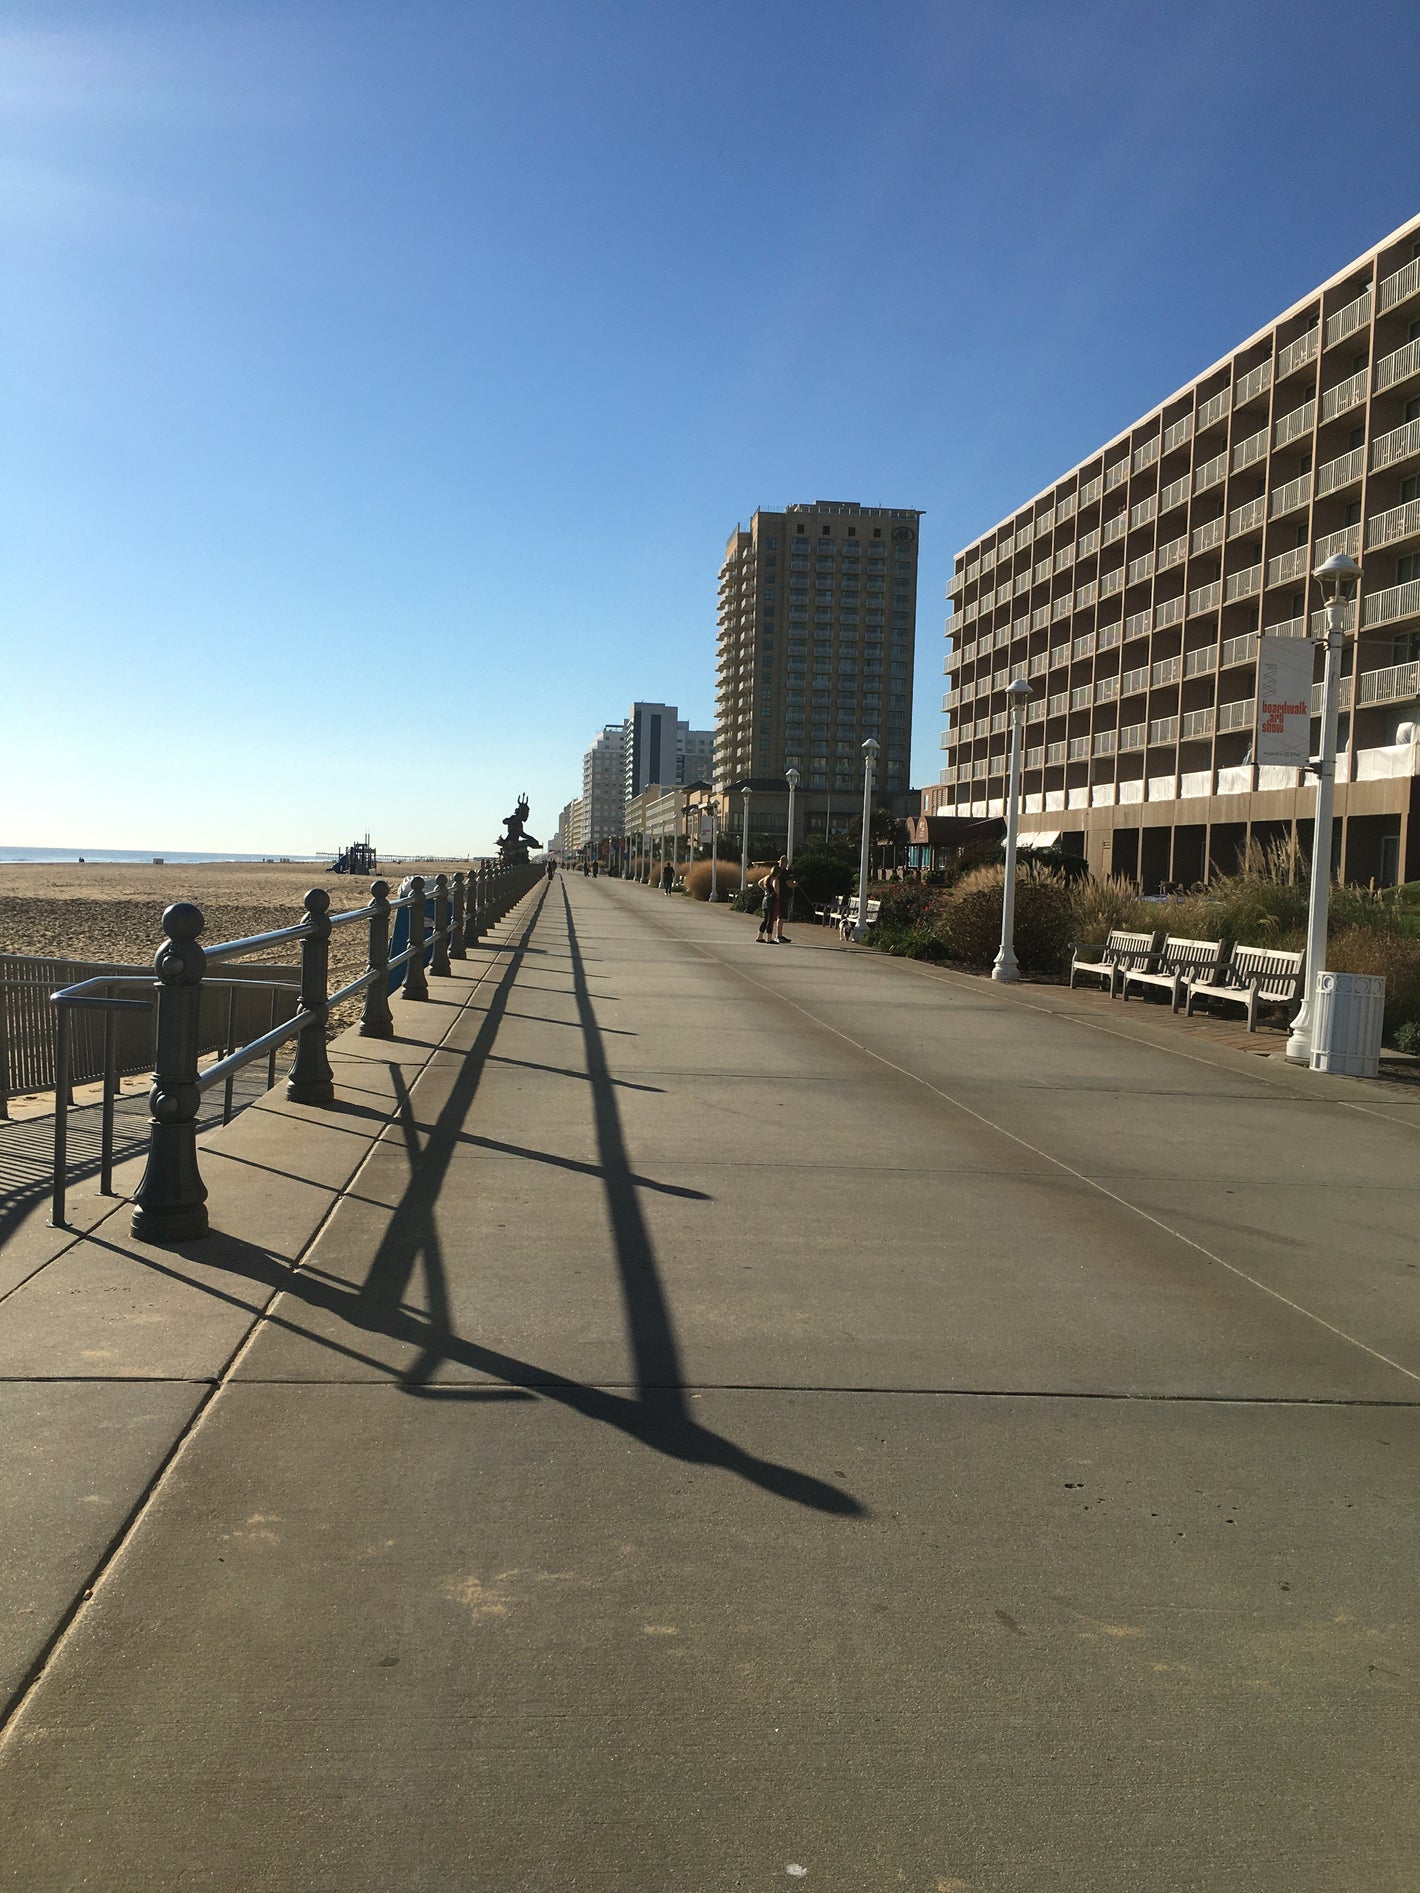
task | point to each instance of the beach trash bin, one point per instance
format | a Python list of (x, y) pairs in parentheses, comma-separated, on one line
[(1350, 1011)]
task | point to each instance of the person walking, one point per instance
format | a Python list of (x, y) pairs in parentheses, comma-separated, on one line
[(596, 867), (667, 879)]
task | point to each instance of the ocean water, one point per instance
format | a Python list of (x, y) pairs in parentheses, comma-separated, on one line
[(141, 855)]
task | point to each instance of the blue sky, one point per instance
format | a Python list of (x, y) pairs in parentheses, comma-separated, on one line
[(380, 382)]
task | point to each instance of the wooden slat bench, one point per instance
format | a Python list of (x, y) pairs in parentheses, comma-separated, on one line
[(1255, 976), (1176, 961), (848, 919), (1121, 952)]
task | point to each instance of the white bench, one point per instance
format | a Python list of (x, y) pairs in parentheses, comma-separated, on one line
[(1122, 952), (1201, 961), (848, 919), (1255, 976)]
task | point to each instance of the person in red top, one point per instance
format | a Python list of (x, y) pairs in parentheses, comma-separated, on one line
[(776, 895)]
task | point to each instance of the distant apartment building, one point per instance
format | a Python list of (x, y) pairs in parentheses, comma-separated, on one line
[(695, 754), (569, 825), (604, 786), (649, 745), (1131, 592), (817, 619)]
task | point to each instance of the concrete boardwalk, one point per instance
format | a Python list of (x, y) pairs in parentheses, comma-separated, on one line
[(693, 1420)]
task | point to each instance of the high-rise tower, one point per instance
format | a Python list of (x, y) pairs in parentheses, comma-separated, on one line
[(818, 611)]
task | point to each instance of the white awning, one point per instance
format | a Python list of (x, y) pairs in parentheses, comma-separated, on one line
[(1044, 838)]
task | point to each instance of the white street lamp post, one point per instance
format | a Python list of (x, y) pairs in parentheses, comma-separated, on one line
[(1005, 967), (870, 756), (714, 852), (791, 776), (745, 794), (1338, 578)]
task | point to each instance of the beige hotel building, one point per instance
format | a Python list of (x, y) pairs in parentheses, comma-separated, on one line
[(1130, 595), (817, 618)]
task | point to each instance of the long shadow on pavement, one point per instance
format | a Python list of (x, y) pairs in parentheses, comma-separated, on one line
[(657, 1414)]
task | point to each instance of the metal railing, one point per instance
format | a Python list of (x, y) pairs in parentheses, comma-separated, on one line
[(1340, 472), (1247, 517), (1396, 601), (1394, 289), (1288, 565), (1399, 366), (1208, 535), (1346, 321), (1292, 426), (1401, 522), (1399, 444), (1397, 683), (1297, 354), (170, 1201), (1345, 395), (1290, 495)]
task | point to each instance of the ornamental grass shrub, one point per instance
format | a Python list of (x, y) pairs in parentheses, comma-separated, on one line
[(697, 879), (1390, 954), (968, 921), (1097, 908)]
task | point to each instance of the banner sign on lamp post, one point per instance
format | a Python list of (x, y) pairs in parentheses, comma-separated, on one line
[(1284, 692)]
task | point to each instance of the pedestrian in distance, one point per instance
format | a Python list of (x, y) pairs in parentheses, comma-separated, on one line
[(667, 879), (596, 869)]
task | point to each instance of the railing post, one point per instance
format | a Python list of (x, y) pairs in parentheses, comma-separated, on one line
[(170, 1203), (61, 1119), (415, 984), (457, 950), (439, 962), (377, 1021), (311, 1080)]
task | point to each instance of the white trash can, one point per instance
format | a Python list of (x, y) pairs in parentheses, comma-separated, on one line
[(1350, 1011)]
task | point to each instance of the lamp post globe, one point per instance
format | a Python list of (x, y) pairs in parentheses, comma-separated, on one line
[(1338, 579), (1004, 967), (870, 757), (792, 777), (745, 793)]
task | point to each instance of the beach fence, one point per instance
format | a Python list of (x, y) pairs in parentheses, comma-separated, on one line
[(170, 1003), (28, 1022)]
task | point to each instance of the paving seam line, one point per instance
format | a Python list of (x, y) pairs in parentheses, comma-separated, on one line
[(695, 1388), (12, 1711), (1058, 1162)]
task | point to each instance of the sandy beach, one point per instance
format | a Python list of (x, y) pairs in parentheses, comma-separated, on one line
[(112, 912)]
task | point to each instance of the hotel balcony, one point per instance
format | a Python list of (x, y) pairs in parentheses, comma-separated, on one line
[(1400, 287), (1387, 529), (1345, 395), (1401, 443)]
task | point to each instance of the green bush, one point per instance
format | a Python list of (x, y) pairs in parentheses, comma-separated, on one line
[(1407, 1037), (968, 922), (821, 871)]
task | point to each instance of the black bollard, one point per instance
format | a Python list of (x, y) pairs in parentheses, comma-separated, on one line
[(170, 1203), (376, 1021), (457, 950), (311, 1080), (439, 963), (415, 984)]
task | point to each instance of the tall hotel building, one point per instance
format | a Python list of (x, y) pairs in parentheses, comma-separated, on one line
[(817, 615), (1130, 594)]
